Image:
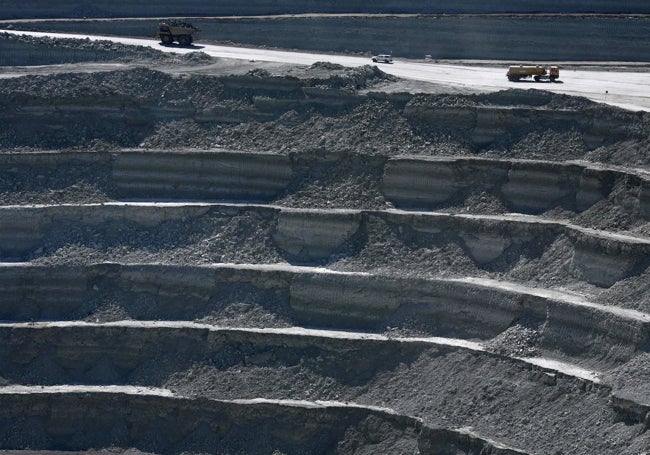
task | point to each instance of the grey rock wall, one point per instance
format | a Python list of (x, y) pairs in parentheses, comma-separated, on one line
[(479, 309), (78, 418), (106, 8)]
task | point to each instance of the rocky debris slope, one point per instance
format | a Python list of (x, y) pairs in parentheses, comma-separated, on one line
[(385, 272), (27, 50), (286, 114)]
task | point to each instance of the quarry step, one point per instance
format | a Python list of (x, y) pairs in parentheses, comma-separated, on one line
[(524, 186), (73, 349), (632, 406), (568, 326), (43, 413), (597, 257), (79, 353)]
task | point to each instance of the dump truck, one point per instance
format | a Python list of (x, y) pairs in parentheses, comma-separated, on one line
[(537, 72), (178, 31)]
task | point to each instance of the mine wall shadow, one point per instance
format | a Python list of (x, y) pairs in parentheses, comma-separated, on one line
[(180, 46)]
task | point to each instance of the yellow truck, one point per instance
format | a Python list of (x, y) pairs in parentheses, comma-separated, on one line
[(537, 72), (174, 30)]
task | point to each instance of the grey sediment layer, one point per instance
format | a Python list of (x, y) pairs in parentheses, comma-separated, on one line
[(76, 418), (35, 119), (313, 236), (147, 353), (529, 187), (460, 308)]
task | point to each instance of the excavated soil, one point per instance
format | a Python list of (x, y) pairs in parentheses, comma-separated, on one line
[(212, 233)]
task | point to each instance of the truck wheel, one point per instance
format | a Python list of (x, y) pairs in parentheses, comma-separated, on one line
[(536, 78), (552, 78), (166, 39), (183, 40)]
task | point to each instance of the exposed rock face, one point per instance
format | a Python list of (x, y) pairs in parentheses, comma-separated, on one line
[(75, 8), (204, 176), (132, 108), (486, 125), (208, 424), (167, 424), (316, 235)]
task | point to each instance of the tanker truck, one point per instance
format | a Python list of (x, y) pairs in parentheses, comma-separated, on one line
[(537, 72)]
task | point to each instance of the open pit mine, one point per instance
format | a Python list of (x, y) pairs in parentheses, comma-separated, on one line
[(204, 255)]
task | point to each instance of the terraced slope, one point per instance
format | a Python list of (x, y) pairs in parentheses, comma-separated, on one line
[(363, 274)]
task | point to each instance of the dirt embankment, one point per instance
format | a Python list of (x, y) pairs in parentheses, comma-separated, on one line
[(26, 51), (314, 110)]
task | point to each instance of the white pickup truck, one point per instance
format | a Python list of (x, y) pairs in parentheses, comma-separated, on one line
[(385, 58)]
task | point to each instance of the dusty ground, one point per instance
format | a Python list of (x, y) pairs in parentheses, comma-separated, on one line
[(342, 148)]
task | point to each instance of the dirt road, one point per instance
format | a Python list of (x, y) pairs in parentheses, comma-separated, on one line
[(624, 89)]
